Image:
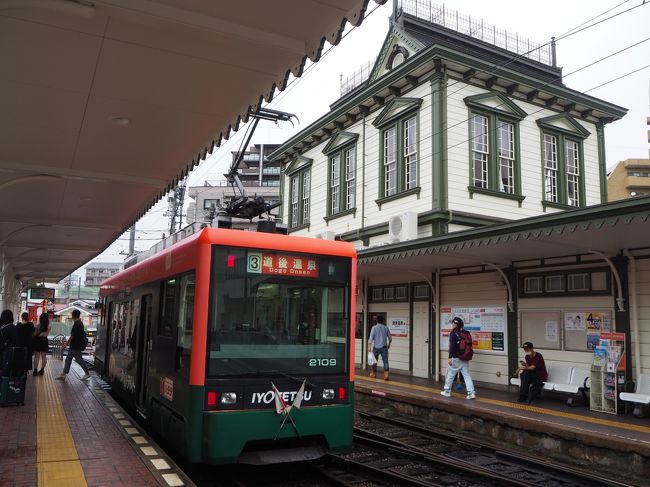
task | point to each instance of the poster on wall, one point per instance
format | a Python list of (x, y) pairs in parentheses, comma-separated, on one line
[(398, 327), (487, 324), (581, 328)]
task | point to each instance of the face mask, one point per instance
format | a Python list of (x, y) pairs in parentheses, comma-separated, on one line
[(528, 354)]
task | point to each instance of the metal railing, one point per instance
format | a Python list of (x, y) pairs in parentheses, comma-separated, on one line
[(476, 28), (57, 346), (353, 80)]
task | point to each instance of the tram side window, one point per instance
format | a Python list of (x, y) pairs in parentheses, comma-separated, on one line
[(167, 319), (186, 311)]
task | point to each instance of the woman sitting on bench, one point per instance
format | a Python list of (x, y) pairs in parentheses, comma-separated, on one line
[(532, 374)]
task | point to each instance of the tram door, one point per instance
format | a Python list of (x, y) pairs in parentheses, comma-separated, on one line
[(144, 348), (421, 339)]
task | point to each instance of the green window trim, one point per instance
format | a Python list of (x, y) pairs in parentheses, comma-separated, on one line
[(351, 211), (396, 196), (299, 198), (498, 118), (399, 147), (341, 179), (492, 183), (557, 133), (499, 194), (556, 177)]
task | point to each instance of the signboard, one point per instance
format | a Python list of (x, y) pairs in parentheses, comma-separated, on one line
[(282, 264), (398, 327), (487, 324), (41, 293)]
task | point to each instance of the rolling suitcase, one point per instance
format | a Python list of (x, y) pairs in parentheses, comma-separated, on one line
[(12, 390), (13, 383)]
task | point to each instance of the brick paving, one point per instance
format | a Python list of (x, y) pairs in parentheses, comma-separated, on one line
[(18, 466), (107, 457)]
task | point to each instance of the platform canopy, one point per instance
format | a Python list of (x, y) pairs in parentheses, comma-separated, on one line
[(105, 104), (591, 232)]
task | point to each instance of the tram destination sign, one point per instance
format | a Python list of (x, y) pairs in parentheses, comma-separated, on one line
[(282, 265), (41, 293)]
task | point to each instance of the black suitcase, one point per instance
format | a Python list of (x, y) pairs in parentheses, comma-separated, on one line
[(12, 390), (14, 376), (14, 362)]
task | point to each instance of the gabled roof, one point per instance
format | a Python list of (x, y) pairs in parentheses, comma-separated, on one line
[(496, 102), (339, 140), (395, 39), (564, 123), (465, 58), (396, 108)]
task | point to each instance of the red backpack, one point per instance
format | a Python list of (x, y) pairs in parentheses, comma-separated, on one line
[(465, 348)]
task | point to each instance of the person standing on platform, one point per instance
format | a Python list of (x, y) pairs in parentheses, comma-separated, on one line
[(77, 345), (380, 340), (24, 333), (532, 374), (460, 353), (7, 339), (41, 343)]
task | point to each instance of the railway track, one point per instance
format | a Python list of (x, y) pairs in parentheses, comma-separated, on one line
[(475, 456)]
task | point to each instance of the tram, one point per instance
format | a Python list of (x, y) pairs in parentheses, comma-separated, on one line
[(236, 346)]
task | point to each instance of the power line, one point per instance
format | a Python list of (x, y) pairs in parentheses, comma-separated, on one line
[(575, 30), (309, 68), (446, 129)]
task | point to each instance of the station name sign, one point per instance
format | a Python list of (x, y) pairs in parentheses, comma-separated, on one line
[(282, 265)]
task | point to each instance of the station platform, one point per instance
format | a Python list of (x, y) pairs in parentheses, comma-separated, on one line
[(72, 433), (548, 426)]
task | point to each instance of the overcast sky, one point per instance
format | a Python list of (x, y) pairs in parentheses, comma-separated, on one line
[(309, 97)]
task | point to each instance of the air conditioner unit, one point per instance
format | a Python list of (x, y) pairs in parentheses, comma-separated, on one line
[(329, 235), (403, 227)]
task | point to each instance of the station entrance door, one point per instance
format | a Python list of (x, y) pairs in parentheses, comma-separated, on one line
[(421, 339)]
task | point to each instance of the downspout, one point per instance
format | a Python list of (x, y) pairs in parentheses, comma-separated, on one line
[(364, 343), (363, 171), (437, 317), (635, 313)]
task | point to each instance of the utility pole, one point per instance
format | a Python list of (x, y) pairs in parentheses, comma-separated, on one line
[(175, 207), (132, 240)]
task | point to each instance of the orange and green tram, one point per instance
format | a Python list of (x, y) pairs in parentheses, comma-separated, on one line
[(206, 339)]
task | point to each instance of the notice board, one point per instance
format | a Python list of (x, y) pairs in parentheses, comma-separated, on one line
[(558, 329), (542, 328), (487, 324)]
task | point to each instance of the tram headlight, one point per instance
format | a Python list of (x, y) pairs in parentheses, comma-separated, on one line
[(328, 394), (229, 398)]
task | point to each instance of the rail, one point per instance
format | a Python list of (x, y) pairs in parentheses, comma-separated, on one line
[(514, 467), (57, 345)]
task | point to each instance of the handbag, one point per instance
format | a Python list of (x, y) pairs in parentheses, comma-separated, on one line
[(371, 359)]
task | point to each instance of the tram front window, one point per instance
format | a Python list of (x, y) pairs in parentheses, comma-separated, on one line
[(274, 312)]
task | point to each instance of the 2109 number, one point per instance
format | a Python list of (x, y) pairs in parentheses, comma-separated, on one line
[(322, 362)]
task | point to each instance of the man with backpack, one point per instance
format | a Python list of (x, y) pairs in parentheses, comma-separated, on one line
[(77, 344), (460, 353)]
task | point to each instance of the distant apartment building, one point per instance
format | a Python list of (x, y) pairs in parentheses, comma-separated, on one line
[(258, 175), (629, 179), (99, 272)]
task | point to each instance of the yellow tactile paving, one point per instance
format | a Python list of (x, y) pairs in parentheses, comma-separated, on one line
[(58, 461), (514, 405)]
